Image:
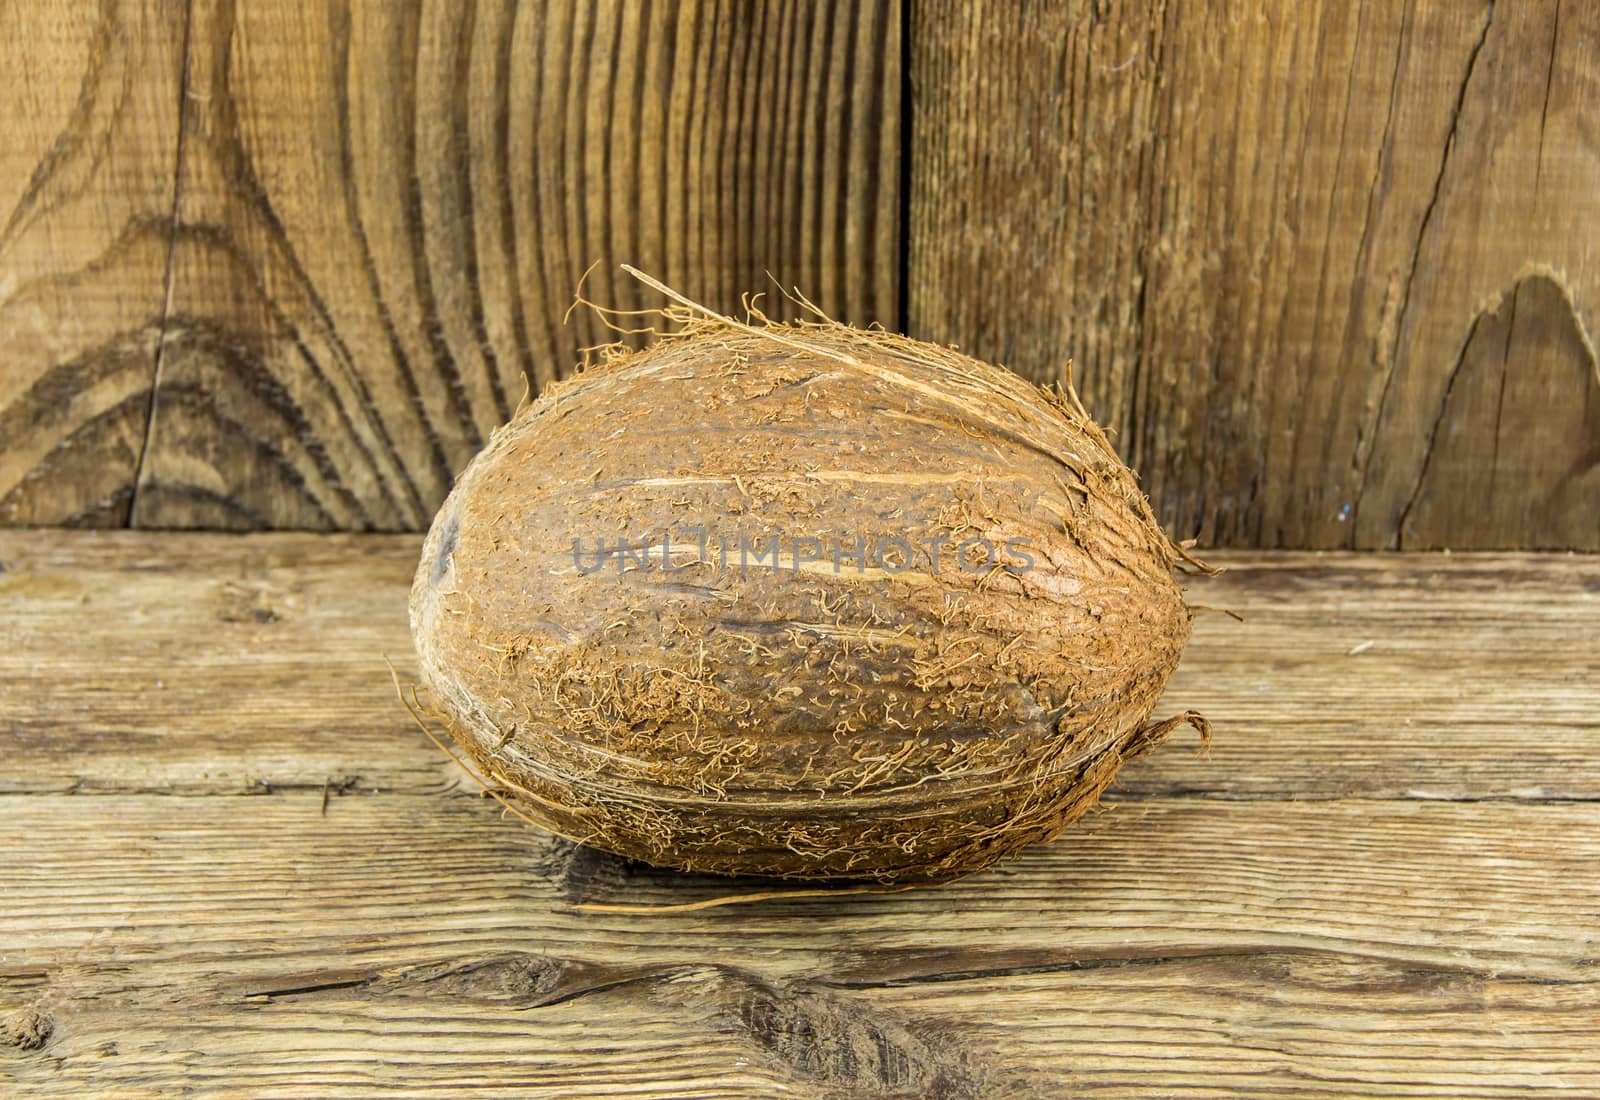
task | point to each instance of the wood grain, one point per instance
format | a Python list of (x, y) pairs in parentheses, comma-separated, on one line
[(252, 946), (385, 209), (86, 193), (1475, 684), (1329, 270), (238, 868)]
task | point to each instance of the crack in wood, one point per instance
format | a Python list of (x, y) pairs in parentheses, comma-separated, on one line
[(169, 272), (1433, 431), (525, 980), (860, 975), (1393, 538), (1549, 81)]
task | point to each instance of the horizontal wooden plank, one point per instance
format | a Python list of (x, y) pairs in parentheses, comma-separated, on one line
[(1268, 1026), (1279, 1026), (133, 661), (1472, 676), (417, 940), (128, 663), (274, 888)]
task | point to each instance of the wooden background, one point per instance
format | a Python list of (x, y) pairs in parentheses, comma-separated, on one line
[(1329, 270)]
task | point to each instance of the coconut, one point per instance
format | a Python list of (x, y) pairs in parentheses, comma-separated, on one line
[(799, 600)]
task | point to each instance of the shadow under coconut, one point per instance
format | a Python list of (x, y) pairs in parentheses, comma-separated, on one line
[(593, 881)]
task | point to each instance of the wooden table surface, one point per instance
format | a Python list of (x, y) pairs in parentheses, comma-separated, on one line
[(231, 865)]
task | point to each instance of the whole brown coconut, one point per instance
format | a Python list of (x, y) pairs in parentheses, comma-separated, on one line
[(883, 611)]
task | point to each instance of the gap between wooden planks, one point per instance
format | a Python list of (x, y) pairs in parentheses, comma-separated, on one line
[(232, 866)]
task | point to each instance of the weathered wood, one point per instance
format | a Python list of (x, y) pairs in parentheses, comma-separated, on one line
[(1472, 686), (381, 213), (90, 118), (1264, 948), (385, 211), (1329, 270), (234, 865)]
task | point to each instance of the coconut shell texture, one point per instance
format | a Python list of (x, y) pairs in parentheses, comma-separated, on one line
[(895, 719)]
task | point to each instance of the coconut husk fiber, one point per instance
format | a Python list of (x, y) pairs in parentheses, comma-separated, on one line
[(897, 719)]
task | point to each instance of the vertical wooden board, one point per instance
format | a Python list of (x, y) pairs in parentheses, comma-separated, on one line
[(385, 211), (1280, 246), (1030, 148), (1509, 241), (90, 118)]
